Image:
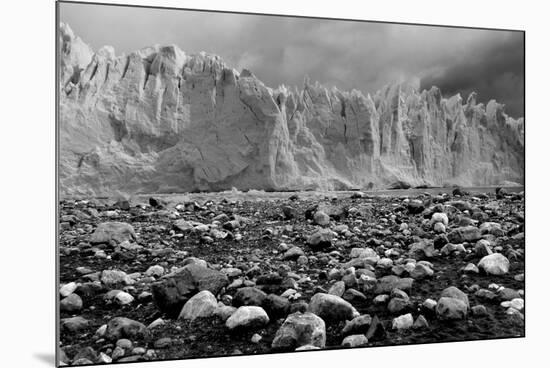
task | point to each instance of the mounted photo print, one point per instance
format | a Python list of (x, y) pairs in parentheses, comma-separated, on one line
[(236, 184)]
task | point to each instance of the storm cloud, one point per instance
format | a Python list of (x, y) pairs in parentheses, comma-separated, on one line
[(345, 54)]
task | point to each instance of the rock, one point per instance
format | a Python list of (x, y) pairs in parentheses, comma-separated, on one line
[(72, 303), (321, 218), (517, 303), (464, 234), (334, 211), (155, 270), (173, 291), (123, 298), (321, 239), (454, 292), (293, 253), (82, 361), (272, 278), (225, 311), (359, 324), (104, 358), (276, 306), (307, 347), (113, 231), (440, 240), (122, 327), (354, 296), (508, 294), (439, 227), (415, 206), (398, 305), (494, 264), (492, 228), (479, 311), (87, 353), (403, 322), (381, 299), (247, 317), (353, 341), (451, 248), (471, 268), (156, 323), (68, 289), (157, 203), (115, 278), (255, 338), (300, 329), (162, 343), (100, 332), (422, 249), (451, 308), (363, 253), (440, 217), (420, 322), (461, 205), (421, 271), (376, 330), (458, 192), (331, 307), (124, 344), (289, 212), (74, 324), (157, 138), (429, 304), (386, 284), (483, 248), (249, 296), (486, 294), (200, 305), (338, 288)]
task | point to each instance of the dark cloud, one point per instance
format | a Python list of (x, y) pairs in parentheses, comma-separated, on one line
[(494, 72), (345, 54)]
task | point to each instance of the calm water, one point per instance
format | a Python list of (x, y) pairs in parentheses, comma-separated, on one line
[(257, 195)]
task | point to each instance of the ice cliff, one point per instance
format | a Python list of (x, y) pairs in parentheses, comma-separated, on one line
[(161, 120)]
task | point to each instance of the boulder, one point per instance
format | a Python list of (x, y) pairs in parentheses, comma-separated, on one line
[(249, 296), (247, 317), (122, 327), (451, 308), (276, 306), (464, 234), (353, 341), (386, 284), (321, 239), (357, 325), (331, 307), (454, 292), (113, 231), (300, 329), (74, 324), (71, 304), (174, 290), (494, 264), (321, 218), (200, 305), (403, 322)]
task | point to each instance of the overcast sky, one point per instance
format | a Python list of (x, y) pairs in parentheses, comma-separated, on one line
[(346, 54)]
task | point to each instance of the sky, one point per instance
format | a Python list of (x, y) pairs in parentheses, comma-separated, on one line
[(345, 54)]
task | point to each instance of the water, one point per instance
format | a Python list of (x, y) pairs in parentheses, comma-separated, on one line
[(259, 195)]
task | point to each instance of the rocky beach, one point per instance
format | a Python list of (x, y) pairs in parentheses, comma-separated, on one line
[(171, 277)]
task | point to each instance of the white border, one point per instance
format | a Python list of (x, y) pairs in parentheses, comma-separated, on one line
[(27, 126)]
